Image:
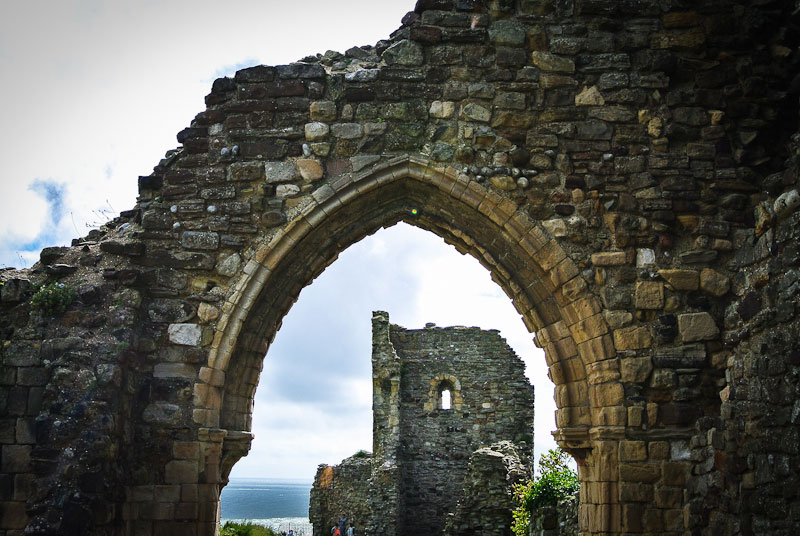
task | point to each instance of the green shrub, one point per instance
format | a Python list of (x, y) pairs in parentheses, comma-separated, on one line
[(361, 454), (556, 482), (247, 528), (53, 298)]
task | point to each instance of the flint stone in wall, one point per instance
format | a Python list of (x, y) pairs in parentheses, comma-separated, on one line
[(162, 413), (403, 52), (185, 334), (200, 240)]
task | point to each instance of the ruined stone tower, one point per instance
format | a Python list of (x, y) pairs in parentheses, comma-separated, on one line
[(439, 394)]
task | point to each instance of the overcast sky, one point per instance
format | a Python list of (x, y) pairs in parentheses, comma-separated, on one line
[(93, 94)]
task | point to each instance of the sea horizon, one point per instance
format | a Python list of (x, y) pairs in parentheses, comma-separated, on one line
[(278, 503)]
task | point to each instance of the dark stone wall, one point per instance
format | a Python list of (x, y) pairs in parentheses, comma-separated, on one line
[(493, 401), (424, 452)]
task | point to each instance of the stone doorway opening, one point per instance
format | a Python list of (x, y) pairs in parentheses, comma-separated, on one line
[(323, 347)]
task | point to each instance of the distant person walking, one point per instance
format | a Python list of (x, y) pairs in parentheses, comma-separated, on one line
[(342, 524), (335, 531), (351, 530)]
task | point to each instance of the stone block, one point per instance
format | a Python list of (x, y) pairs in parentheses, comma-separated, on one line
[(632, 451), (185, 334), (549, 62), (316, 131), (639, 472), (347, 131), (279, 171), (610, 258), (714, 282), (632, 338), (649, 295), (174, 370), (606, 394), (475, 112), (635, 369), (246, 171), (200, 240), (16, 459), (697, 327), (322, 110), (181, 472), (589, 96), (681, 279)]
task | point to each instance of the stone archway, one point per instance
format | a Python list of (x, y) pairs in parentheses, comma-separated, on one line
[(619, 167), (530, 266)]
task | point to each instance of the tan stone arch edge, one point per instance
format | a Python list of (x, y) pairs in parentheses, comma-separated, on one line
[(579, 339)]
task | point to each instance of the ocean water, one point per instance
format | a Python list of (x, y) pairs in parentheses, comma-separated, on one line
[(276, 503)]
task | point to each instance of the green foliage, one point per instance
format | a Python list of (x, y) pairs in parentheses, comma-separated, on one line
[(556, 481), (245, 529), (361, 454), (53, 298)]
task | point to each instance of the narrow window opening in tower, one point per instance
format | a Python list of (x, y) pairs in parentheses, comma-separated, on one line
[(445, 402)]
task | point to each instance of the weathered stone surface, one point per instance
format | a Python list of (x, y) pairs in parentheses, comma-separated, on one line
[(589, 96), (405, 53), (507, 32), (162, 413), (632, 338), (185, 334), (229, 265), (200, 240), (280, 172), (714, 282), (310, 169), (610, 258), (697, 327), (316, 131), (476, 112), (246, 171), (649, 295), (552, 63), (681, 279)]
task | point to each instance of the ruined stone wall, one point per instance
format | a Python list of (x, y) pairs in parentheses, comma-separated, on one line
[(491, 400), (341, 489), (559, 520), (618, 166), (486, 500), (422, 451)]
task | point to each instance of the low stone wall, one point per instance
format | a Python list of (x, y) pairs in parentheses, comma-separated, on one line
[(561, 520), (340, 490)]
